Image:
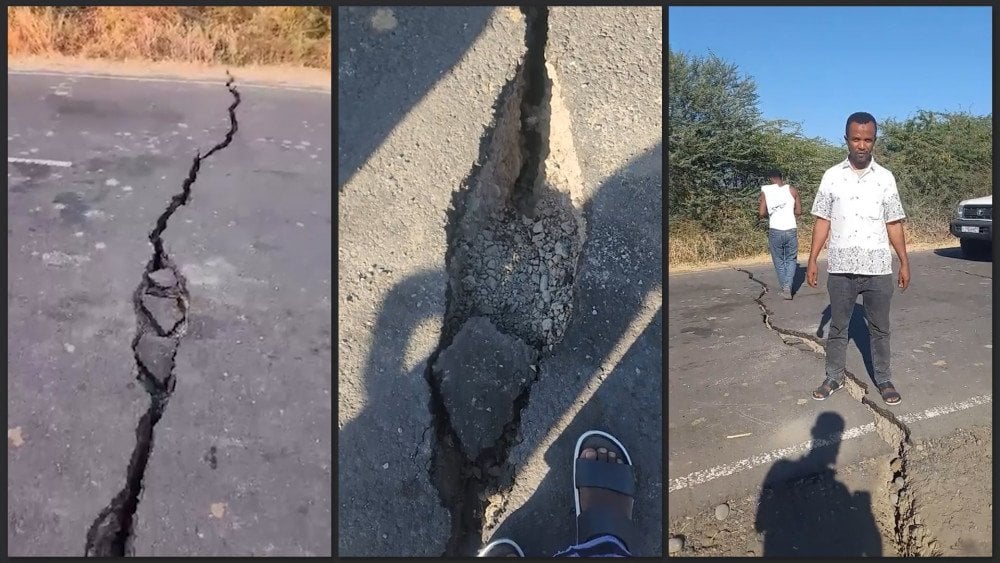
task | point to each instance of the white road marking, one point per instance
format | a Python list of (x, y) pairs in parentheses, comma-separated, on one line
[(41, 161), (173, 80), (706, 475)]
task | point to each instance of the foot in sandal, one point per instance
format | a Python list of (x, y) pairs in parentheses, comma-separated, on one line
[(889, 393), (829, 387), (604, 482)]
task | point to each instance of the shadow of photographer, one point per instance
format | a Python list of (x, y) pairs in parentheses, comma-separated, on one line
[(804, 511)]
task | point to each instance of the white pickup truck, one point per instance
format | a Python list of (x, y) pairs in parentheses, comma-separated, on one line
[(973, 225)]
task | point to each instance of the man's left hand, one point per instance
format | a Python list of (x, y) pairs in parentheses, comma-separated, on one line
[(904, 276)]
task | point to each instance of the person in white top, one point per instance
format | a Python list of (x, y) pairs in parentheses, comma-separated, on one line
[(780, 203), (858, 208)]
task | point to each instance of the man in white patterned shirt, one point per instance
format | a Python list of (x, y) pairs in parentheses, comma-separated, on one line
[(857, 207)]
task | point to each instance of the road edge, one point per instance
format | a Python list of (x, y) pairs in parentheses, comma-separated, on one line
[(274, 77), (803, 257)]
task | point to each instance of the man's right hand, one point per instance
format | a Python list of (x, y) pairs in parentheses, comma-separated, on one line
[(812, 274)]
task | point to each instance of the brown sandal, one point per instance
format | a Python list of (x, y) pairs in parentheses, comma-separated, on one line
[(889, 393)]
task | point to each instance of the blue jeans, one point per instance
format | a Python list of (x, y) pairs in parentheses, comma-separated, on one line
[(784, 253)]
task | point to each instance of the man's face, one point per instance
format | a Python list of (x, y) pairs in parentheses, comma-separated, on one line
[(776, 180), (860, 140)]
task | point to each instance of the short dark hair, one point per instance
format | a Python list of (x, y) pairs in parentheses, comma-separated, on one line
[(774, 173), (860, 117)]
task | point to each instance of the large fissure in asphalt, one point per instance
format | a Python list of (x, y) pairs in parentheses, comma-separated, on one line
[(534, 124), (161, 306), (514, 237), (911, 538)]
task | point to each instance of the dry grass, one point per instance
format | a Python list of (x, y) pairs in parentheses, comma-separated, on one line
[(238, 36), (692, 247)]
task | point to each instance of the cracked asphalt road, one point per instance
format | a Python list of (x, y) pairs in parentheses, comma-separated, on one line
[(402, 156), (241, 462), (730, 375), (403, 150), (607, 373)]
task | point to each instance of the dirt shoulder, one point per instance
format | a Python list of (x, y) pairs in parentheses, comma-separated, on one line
[(687, 268), (265, 76), (955, 508)]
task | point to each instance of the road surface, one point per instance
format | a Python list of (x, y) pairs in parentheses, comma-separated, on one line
[(740, 398), (241, 462)]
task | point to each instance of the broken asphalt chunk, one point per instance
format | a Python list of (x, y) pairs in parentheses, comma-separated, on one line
[(164, 312), (481, 374), (164, 277), (156, 355)]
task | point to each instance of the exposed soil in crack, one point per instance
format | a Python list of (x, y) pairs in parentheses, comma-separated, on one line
[(911, 538), (161, 307), (514, 239)]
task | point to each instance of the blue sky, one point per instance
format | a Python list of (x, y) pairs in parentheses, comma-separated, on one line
[(817, 65)]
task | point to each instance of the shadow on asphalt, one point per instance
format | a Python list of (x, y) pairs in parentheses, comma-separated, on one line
[(424, 45), (385, 374), (956, 253), (803, 511), (546, 524), (626, 214), (798, 279), (857, 332)]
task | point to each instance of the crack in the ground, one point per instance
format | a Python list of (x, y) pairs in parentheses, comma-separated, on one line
[(161, 306), (534, 138), (513, 151), (449, 469), (911, 538), (423, 437), (961, 271), (976, 275)]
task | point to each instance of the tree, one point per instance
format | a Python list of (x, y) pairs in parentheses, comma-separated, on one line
[(715, 143), (802, 159), (939, 159)]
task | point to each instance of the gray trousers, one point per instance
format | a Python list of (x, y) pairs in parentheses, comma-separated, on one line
[(876, 296)]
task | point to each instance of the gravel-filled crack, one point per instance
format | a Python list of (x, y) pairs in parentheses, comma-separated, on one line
[(161, 309), (911, 538), (514, 237)]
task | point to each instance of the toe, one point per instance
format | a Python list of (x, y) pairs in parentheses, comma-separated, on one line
[(602, 454), (588, 453)]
